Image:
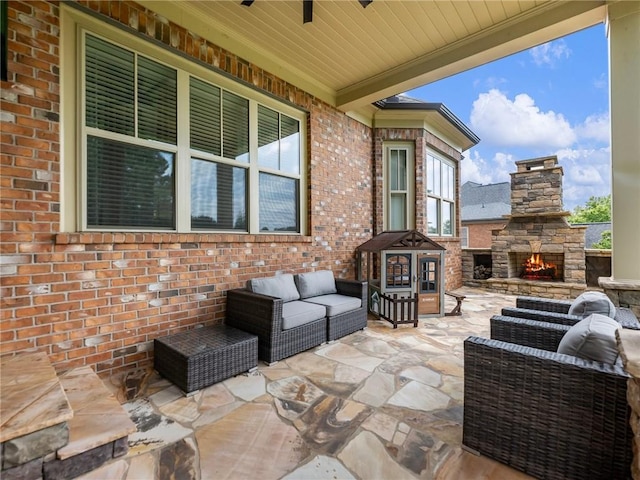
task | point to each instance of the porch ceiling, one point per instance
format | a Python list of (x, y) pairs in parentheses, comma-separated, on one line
[(351, 56)]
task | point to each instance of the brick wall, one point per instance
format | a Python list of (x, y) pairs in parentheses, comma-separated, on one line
[(423, 140), (99, 299), (480, 234)]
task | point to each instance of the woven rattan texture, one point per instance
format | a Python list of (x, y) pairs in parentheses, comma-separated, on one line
[(203, 356), (261, 315), (530, 333), (551, 416)]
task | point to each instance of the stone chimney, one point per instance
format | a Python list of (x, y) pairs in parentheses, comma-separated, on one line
[(536, 187)]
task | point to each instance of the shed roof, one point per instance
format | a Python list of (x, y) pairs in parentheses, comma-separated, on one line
[(399, 240)]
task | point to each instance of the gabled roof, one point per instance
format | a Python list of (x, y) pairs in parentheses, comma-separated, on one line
[(484, 202), (399, 240)]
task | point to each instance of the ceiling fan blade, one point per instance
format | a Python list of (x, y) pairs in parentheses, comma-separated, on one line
[(307, 11), (246, 3)]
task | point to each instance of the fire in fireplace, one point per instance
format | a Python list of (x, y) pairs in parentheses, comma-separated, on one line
[(535, 268)]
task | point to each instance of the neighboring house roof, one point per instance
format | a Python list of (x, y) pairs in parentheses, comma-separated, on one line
[(437, 114), (593, 232), (485, 202)]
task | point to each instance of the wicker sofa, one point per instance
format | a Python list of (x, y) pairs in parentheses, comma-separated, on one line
[(290, 314), (550, 415), (557, 311)]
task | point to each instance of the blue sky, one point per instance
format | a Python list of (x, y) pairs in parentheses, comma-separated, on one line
[(552, 99)]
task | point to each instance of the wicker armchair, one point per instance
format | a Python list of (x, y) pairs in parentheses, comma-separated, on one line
[(549, 415), (557, 311)]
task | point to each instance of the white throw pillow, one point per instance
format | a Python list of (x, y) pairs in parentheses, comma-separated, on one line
[(592, 338)]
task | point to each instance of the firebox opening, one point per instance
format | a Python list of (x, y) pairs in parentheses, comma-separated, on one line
[(547, 267), (481, 266)]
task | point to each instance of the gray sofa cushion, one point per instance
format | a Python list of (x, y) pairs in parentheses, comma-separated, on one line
[(298, 313), (592, 338), (592, 302), (336, 304), (280, 286), (313, 284)]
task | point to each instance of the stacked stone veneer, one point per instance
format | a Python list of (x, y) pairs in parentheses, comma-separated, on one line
[(538, 222), (34, 456)]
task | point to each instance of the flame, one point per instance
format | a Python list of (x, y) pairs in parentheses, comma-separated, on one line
[(535, 264)]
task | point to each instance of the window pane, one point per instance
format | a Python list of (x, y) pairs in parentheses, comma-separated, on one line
[(447, 181), (398, 271), (235, 127), (218, 196), (447, 218), (398, 212), (289, 144), (436, 177), (128, 185), (204, 116), (278, 204), (157, 101), (432, 215), (393, 170), (430, 176), (110, 87), (402, 170), (268, 138)]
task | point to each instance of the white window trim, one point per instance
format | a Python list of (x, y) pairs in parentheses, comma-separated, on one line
[(73, 133), (411, 196), (441, 199)]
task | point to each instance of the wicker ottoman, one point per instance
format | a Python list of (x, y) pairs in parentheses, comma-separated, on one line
[(203, 356)]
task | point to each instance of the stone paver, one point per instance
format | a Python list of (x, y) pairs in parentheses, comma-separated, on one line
[(377, 404)]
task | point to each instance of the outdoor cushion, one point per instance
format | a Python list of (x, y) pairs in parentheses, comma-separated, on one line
[(298, 313), (280, 286), (592, 302), (336, 304), (592, 338), (313, 284)]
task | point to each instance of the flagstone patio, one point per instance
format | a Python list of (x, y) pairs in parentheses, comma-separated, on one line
[(381, 403)]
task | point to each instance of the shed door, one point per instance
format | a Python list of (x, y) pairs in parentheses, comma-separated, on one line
[(428, 284)]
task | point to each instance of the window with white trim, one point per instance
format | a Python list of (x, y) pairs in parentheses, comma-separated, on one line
[(164, 148), (399, 195), (440, 196)]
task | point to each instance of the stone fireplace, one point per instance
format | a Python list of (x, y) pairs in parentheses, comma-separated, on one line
[(537, 247)]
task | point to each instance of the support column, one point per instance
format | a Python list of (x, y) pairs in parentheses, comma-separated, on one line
[(624, 76)]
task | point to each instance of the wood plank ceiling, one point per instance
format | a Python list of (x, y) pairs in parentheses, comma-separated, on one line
[(351, 56)]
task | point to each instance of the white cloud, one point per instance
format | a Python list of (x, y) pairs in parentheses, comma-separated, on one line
[(550, 53), (595, 127), (519, 123), (477, 169), (587, 173)]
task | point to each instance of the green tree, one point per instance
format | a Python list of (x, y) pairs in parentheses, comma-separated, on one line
[(597, 209), (605, 241)]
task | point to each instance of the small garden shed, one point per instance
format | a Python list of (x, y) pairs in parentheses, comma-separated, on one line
[(403, 264)]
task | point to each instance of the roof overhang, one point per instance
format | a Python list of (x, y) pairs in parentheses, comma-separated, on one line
[(351, 57)]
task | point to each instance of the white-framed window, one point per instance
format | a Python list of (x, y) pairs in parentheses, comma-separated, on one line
[(440, 196), (166, 144), (399, 191)]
